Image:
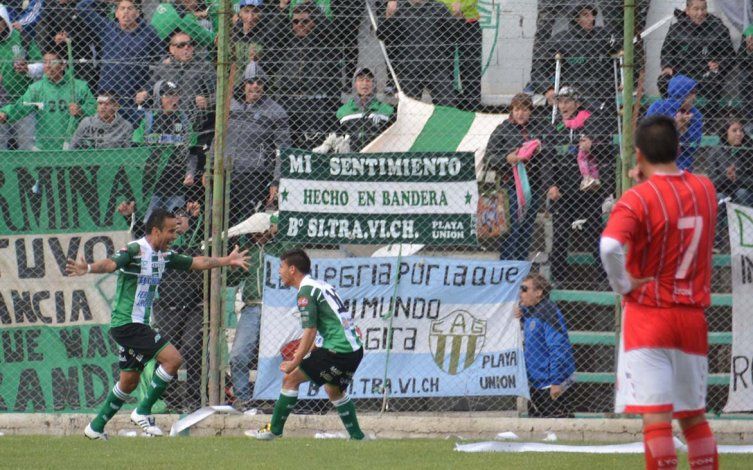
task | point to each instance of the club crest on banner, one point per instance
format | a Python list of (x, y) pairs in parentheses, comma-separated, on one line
[(456, 340)]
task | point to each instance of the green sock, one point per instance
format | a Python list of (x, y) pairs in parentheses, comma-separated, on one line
[(347, 411), (157, 386), (283, 406), (114, 401)]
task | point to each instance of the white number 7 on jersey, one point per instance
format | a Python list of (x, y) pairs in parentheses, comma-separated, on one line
[(686, 223)]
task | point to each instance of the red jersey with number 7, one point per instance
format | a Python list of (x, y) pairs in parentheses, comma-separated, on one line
[(667, 224)]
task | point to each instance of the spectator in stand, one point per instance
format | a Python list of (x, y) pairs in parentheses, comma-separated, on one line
[(745, 62), (260, 241), (196, 81), (363, 117), (60, 23), (419, 38), (128, 46), (186, 16), (586, 56), (15, 80), (680, 106), (579, 151), (178, 310), (168, 130), (468, 35), (106, 129), (698, 45), (256, 130), (548, 353), (250, 35), (58, 100), (511, 153), (731, 170), (306, 75)]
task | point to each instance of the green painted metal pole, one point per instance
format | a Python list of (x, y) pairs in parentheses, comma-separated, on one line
[(628, 127), (218, 196), (628, 150)]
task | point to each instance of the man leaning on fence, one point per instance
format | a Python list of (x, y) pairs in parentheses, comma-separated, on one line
[(256, 130), (549, 355), (141, 265)]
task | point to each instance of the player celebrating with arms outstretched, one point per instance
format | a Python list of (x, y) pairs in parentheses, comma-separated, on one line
[(140, 266), (331, 365), (666, 225)]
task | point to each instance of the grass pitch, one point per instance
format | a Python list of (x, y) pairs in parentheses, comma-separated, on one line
[(37, 452)]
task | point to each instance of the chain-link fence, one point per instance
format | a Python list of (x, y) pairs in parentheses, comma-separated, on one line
[(388, 139)]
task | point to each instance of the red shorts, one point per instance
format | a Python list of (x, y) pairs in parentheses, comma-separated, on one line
[(663, 363)]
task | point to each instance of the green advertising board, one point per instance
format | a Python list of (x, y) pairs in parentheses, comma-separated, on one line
[(55, 350)]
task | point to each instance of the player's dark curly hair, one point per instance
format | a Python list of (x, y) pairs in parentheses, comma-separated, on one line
[(297, 258)]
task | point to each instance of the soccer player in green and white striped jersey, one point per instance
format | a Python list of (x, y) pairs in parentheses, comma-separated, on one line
[(333, 364), (140, 267)]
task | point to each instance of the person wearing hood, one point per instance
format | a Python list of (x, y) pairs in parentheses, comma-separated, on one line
[(167, 129), (58, 100), (106, 129), (363, 117), (698, 45), (257, 129), (128, 46), (15, 80), (680, 106)]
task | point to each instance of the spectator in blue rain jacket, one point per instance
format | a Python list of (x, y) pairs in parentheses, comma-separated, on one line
[(680, 106), (548, 352)]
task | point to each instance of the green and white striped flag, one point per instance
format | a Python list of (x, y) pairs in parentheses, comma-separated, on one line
[(422, 127)]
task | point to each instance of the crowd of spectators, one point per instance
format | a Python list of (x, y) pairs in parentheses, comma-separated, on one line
[(103, 74)]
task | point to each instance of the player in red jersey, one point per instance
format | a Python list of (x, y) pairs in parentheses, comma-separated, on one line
[(656, 250)]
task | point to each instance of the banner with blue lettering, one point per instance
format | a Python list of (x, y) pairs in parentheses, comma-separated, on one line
[(452, 328)]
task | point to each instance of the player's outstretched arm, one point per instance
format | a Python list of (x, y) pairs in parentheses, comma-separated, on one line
[(81, 267), (236, 258)]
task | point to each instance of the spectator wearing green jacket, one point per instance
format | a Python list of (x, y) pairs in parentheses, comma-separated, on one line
[(58, 100), (363, 117), (15, 80)]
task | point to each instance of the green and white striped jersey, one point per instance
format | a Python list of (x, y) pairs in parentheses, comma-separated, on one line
[(140, 270), (321, 308)]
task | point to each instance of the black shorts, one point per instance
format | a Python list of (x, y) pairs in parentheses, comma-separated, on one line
[(323, 366), (138, 344)]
